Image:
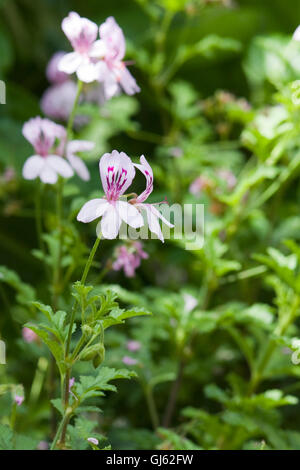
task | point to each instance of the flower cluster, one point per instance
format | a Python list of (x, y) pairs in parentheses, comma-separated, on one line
[(129, 258), (50, 144), (97, 59), (117, 173)]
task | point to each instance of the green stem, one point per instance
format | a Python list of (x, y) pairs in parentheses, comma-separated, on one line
[(282, 326), (63, 422), (73, 112), (151, 406), (69, 367)]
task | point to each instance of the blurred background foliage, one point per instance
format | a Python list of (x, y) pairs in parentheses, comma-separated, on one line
[(217, 79)]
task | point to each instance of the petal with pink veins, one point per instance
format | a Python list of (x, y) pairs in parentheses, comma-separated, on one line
[(117, 172), (146, 169)]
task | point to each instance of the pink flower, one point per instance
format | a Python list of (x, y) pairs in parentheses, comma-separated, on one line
[(129, 361), (18, 399), (76, 163), (46, 163), (29, 336), (9, 174), (82, 33), (57, 101), (117, 172), (129, 258), (43, 445), (228, 177), (53, 74), (93, 440), (152, 214), (199, 185), (133, 345), (112, 70), (71, 383)]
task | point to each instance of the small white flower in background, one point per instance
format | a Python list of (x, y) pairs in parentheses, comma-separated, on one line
[(117, 173), (113, 72), (46, 163), (82, 33), (190, 302), (49, 142)]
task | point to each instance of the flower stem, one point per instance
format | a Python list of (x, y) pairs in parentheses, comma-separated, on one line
[(73, 112), (64, 421), (88, 265)]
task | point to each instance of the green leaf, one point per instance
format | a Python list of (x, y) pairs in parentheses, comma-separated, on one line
[(6, 438)]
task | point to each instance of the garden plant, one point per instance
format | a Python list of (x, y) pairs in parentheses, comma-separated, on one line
[(118, 122)]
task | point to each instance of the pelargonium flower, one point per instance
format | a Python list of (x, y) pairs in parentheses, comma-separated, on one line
[(129, 361), (117, 172), (199, 184), (129, 258), (46, 164), (82, 33), (58, 100), (133, 345), (18, 399), (152, 214), (112, 70), (29, 336), (54, 75)]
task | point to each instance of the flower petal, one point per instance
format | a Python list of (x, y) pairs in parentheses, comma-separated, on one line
[(156, 213), (81, 32), (60, 166), (87, 72), (33, 167), (79, 146), (98, 49), (70, 62), (92, 210), (117, 172), (146, 169), (113, 36), (153, 221), (79, 167), (110, 223), (48, 175), (129, 214), (127, 82)]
